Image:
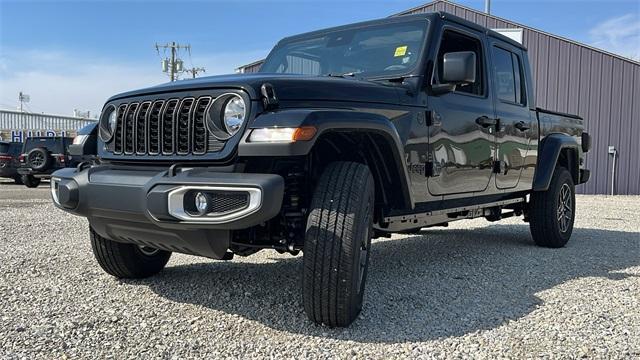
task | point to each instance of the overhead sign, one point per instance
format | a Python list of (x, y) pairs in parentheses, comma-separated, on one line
[(19, 135)]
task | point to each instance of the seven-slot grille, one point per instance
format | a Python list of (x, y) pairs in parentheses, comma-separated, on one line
[(167, 127)]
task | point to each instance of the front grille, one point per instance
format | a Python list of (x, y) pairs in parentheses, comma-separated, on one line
[(174, 126)]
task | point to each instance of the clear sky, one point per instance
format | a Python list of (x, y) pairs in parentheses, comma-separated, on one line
[(75, 54)]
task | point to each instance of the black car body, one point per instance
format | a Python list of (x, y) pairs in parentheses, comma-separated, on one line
[(9, 153), (346, 134), (41, 156)]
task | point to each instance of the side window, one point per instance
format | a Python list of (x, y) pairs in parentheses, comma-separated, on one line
[(507, 70), (453, 41)]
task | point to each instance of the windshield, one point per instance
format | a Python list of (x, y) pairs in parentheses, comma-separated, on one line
[(378, 50)]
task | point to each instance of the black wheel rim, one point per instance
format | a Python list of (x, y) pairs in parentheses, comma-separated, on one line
[(565, 208), (37, 160)]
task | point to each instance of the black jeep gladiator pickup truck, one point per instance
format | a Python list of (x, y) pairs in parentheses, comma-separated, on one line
[(345, 134)]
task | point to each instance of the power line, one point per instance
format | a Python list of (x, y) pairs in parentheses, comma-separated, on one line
[(194, 71), (174, 65)]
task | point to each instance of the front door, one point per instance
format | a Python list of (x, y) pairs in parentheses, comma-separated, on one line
[(460, 140), (515, 129)]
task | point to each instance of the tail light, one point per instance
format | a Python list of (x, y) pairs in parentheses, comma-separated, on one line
[(5, 157), (61, 158), (21, 158)]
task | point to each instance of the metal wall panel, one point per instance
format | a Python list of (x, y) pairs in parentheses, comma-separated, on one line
[(633, 140), (22, 124)]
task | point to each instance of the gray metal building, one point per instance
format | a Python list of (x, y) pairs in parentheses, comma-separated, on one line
[(16, 125), (601, 87)]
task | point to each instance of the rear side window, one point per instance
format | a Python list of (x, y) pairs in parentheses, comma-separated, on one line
[(507, 72)]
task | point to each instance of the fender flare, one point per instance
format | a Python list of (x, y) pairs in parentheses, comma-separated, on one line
[(549, 153), (326, 120)]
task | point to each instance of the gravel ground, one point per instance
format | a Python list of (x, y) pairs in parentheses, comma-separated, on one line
[(474, 290)]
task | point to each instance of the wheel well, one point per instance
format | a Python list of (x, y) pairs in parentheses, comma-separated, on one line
[(568, 158), (371, 149)]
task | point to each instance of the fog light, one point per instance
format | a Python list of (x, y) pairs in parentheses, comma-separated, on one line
[(202, 203)]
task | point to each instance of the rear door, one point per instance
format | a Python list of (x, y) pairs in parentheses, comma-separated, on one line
[(460, 149), (515, 131)]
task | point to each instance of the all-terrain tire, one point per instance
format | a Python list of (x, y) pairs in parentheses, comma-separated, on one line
[(127, 260), (30, 181), (337, 244), (552, 212)]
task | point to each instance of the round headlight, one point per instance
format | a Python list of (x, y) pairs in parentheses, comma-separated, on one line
[(234, 114), (113, 121), (108, 123), (226, 116)]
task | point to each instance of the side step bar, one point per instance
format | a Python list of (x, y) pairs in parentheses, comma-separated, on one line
[(413, 221)]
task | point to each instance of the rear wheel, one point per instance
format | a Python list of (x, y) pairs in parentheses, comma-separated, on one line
[(30, 181), (127, 260), (39, 159), (552, 212), (337, 243)]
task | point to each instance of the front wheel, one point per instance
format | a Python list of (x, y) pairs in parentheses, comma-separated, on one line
[(552, 212), (30, 181), (127, 260), (337, 244)]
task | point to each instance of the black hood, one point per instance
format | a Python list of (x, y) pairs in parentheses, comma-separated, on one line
[(287, 87)]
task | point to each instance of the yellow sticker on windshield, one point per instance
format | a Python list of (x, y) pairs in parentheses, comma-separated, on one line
[(401, 51)]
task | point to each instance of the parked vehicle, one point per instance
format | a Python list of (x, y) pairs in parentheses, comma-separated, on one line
[(9, 152), (83, 148), (345, 135), (41, 156)]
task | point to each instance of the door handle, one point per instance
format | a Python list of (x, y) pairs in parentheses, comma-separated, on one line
[(485, 121), (521, 125)]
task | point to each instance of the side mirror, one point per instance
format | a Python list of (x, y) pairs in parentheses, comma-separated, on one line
[(459, 68)]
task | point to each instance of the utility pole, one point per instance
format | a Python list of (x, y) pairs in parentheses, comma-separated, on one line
[(173, 65), (194, 71), (487, 6), (23, 98)]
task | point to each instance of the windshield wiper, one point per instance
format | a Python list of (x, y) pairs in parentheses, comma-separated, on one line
[(345, 75)]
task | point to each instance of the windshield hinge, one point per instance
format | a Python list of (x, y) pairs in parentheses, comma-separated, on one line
[(269, 99)]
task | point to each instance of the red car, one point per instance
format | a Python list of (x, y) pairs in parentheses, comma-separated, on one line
[(9, 152)]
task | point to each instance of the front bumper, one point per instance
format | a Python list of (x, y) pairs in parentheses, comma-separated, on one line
[(140, 206)]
